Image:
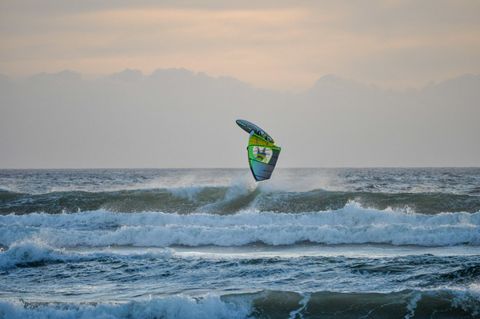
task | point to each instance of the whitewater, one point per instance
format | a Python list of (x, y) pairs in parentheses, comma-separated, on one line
[(210, 243)]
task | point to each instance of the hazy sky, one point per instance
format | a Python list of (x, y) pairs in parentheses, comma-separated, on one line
[(197, 66), (273, 44)]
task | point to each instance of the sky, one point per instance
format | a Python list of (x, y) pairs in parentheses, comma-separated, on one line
[(283, 45), (87, 84)]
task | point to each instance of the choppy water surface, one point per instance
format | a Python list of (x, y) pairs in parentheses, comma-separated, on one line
[(310, 243)]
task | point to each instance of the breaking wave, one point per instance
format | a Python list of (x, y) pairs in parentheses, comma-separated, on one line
[(168, 307), (32, 253), (227, 200), (352, 224), (266, 304)]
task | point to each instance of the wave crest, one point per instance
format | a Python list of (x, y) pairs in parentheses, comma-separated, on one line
[(168, 307), (351, 224), (266, 304), (227, 200), (30, 253)]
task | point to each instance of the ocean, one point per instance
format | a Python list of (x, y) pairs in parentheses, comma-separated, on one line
[(212, 243)]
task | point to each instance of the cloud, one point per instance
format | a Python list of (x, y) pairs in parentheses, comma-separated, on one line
[(277, 44)]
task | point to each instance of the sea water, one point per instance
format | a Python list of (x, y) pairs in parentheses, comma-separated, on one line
[(211, 243)]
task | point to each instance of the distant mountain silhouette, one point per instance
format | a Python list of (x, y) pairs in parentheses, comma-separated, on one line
[(173, 117), (66, 75), (128, 75)]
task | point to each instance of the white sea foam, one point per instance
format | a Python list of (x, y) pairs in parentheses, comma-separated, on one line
[(240, 186), (209, 307), (350, 225), (412, 305), (186, 192), (297, 313)]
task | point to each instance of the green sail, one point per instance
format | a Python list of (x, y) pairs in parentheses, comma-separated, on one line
[(262, 152)]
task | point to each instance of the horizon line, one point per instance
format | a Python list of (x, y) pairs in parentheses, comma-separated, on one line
[(233, 168)]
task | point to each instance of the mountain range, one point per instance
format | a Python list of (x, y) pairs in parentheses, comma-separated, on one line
[(181, 118)]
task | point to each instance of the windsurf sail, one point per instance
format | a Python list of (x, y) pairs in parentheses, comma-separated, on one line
[(262, 151)]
